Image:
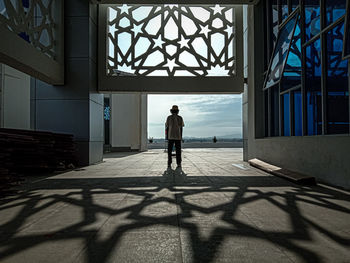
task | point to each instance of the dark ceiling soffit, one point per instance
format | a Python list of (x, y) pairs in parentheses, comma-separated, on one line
[(176, 85), (188, 2)]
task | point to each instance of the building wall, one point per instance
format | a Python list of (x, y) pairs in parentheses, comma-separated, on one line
[(75, 108), (15, 98), (325, 157), (128, 122)]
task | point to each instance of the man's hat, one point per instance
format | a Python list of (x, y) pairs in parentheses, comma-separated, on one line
[(175, 108)]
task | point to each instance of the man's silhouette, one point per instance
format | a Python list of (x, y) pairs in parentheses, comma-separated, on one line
[(174, 125)]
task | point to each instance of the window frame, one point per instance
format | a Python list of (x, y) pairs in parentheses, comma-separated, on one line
[(346, 31), (167, 85), (322, 36), (294, 14)]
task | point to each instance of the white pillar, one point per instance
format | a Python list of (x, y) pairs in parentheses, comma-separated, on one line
[(128, 122), (14, 99)]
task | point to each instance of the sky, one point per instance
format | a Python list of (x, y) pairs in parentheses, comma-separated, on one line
[(204, 115)]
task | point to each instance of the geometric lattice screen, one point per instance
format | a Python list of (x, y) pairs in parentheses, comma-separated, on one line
[(32, 20), (171, 40)]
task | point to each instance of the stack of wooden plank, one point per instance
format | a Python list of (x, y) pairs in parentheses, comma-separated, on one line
[(64, 149), (24, 152)]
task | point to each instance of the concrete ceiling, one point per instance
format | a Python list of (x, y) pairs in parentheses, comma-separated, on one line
[(189, 2)]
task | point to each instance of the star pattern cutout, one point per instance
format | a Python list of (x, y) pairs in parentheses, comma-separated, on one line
[(217, 9), (170, 64), (229, 30), (183, 42), (191, 52), (137, 29), (112, 30), (158, 42), (205, 30), (124, 9)]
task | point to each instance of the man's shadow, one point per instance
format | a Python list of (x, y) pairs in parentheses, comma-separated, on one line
[(178, 173)]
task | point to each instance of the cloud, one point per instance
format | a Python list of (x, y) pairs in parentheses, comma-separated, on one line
[(204, 115)]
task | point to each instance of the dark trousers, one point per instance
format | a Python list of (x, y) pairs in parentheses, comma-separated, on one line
[(178, 151)]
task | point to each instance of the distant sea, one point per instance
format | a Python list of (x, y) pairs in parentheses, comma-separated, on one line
[(200, 143)]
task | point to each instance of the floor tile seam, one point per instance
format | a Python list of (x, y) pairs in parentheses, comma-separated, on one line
[(179, 229), (149, 168), (215, 164), (276, 246), (42, 218), (193, 163), (131, 164), (266, 235), (97, 231), (207, 177), (84, 247)]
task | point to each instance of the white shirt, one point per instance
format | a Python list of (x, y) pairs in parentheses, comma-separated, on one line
[(175, 123)]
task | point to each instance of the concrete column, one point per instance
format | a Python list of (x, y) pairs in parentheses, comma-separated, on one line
[(76, 107), (128, 122), (254, 114)]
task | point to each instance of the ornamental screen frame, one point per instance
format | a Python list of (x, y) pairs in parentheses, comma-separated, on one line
[(171, 40), (33, 21), (34, 44), (185, 57)]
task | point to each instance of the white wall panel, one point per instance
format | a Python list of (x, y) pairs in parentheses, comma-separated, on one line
[(15, 99)]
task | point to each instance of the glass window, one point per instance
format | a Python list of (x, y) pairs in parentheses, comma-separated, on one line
[(292, 71), (285, 10), (275, 119), (312, 18), (313, 88), (298, 117), (286, 114), (346, 48), (337, 83), (280, 53), (275, 21), (335, 9)]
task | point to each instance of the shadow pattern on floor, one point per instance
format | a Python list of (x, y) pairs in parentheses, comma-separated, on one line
[(237, 191)]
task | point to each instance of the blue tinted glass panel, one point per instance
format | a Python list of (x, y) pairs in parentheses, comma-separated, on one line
[(275, 119), (347, 33), (335, 9), (286, 114), (279, 56), (337, 83), (312, 18), (298, 118), (292, 71), (24, 36), (25, 3), (285, 10), (275, 22), (313, 88), (107, 113)]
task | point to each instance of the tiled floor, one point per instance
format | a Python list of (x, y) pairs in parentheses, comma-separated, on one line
[(130, 208)]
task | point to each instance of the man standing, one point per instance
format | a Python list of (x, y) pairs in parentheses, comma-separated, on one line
[(174, 125)]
